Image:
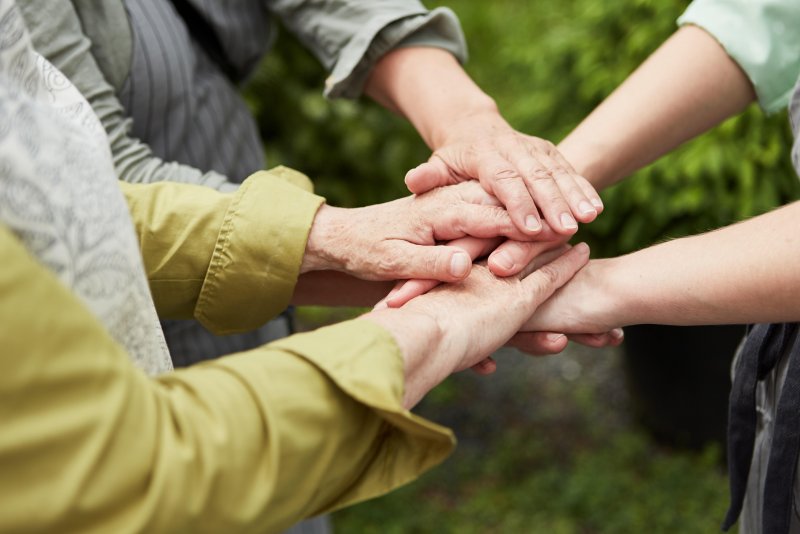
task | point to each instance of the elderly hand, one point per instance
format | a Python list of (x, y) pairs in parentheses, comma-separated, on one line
[(455, 326), (527, 174), (399, 239)]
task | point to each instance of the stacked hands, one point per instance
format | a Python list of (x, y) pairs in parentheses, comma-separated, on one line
[(498, 242)]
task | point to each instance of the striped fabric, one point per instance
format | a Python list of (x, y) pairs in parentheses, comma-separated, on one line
[(187, 111), (180, 102)]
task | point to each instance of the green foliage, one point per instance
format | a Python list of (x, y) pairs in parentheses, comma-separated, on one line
[(555, 478), (548, 64)]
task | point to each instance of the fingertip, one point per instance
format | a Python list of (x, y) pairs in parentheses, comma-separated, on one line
[(460, 264), (485, 367), (586, 213), (501, 263), (412, 179), (568, 223), (581, 248), (617, 336), (555, 342), (532, 224)]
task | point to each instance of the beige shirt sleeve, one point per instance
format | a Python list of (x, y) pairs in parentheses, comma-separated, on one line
[(250, 442), (223, 258)]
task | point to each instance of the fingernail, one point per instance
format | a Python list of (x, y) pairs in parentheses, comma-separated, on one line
[(568, 222), (532, 223), (553, 337), (586, 208), (617, 333), (597, 203), (381, 305), (504, 260), (459, 265)]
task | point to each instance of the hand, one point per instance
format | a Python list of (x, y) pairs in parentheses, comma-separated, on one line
[(520, 256), (456, 326), (580, 307), (399, 239), (525, 173)]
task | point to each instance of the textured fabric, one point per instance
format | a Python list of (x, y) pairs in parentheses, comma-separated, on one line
[(183, 107), (56, 31), (210, 263), (761, 35), (59, 195), (764, 346)]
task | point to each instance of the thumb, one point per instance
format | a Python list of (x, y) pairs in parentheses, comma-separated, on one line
[(443, 263), (429, 175)]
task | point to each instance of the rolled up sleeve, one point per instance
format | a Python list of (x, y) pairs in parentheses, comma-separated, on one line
[(761, 36), (229, 260), (349, 37)]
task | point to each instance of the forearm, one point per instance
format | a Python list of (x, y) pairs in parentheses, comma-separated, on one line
[(744, 273), (250, 442), (684, 88), (430, 89)]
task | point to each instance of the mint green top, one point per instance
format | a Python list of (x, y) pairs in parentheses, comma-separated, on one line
[(762, 36)]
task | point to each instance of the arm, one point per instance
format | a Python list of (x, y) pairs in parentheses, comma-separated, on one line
[(687, 86), (219, 447), (727, 53), (745, 273), (226, 445)]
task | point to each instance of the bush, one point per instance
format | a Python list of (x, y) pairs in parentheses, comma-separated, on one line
[(548, 64)]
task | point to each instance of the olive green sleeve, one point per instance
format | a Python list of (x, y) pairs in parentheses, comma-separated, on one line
[(230, 260), (251, 442)]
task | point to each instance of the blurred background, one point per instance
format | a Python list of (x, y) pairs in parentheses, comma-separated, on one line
[(589, 441)]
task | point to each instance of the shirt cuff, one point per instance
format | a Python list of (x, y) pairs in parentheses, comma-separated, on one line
[(438, 28), (761, 36), (258, 252), (364, 361)]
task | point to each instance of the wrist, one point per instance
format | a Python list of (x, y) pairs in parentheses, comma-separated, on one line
[(616, 303), (476, 114), (419, 336), (322, 250), (589, 159)]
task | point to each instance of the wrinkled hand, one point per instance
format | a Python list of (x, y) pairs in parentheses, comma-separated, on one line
[(527, 174), (399, 239), (455, 326)]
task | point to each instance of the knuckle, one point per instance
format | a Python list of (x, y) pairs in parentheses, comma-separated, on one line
[(504, 174), (548, 276), (389, 264), (541, 175)]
